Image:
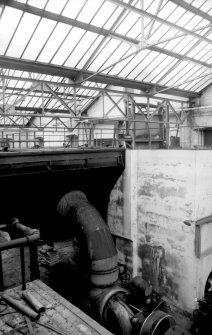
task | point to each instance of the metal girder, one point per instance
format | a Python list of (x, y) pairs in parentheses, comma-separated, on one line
[(187, 6), (58, 98), (180, 61), (23, 97), (104, 39), (39, 110), (53, 70), (100, 31), (18, 91), (159, 19), (153, 21)]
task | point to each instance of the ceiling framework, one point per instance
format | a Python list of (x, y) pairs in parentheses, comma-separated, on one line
[(73, 52)]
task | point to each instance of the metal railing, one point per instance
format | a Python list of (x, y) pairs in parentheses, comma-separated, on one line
[(20, 132), (30, 238)]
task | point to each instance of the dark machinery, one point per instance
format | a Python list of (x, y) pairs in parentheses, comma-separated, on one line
[(124, 308), (203, 315)]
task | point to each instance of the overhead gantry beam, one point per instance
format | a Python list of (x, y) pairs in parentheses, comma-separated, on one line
[(53, 70), (104, 32)]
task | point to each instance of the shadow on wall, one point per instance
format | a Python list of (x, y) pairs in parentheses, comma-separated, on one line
[(34, 198)]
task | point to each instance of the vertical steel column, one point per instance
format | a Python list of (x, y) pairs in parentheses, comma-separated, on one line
[(167, 126), (134, 125), (1, 274), (142, 21), (34, 266), (3, 93), (103, 104), (75, 101), (42, 97), (23, 273), (147, 107)]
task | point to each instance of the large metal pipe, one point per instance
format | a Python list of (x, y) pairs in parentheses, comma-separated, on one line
[(99, 243), (17, 305), (102, 254)]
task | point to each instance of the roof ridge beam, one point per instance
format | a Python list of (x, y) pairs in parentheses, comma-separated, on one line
[(101, 31)]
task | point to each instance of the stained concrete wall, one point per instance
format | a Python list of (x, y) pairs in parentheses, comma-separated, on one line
[(158, 191)]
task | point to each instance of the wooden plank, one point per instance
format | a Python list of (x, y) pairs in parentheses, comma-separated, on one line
[(60, 313)]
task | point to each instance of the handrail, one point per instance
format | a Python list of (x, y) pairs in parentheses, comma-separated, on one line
[(32, 236)]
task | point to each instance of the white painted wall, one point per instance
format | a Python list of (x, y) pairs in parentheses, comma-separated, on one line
[(158, 191)]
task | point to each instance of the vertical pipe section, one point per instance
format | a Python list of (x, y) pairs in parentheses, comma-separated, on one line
[(98, 241)]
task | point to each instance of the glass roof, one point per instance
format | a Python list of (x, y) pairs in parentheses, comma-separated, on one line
[(163, 44)]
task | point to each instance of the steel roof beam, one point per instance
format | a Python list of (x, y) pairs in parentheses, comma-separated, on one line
[(192, 9), (30, 66), (18, 90), (100, 31), (159, 19)]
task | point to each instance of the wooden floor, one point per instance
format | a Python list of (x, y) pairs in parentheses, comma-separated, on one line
[(60, 314)]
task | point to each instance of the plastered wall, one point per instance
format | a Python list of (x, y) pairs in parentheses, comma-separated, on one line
[(158, 191)]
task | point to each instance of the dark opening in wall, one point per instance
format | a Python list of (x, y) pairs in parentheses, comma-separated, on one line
[(33, 198)]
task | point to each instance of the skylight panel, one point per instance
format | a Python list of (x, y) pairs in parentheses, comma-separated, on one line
[(152, 7), (203, 84), (113, 18), (68, 45), (145, 66), (55, 6), (103, 14), (194, 22), (194, 85), (11, 16), (206, 7), (135, 30), (102, 57), (22, 35), (73, 8), (182, 70), (89, 10), (88, 53), (39, 38), (205, 50), (156, 63), (53, 42), (161, 32), (37, 3), (127, 23), (117, 55), (131, 66), (164, 67), (18, 73), (20, 84), (115, 70), (167, 10), (176, 14), (81, 48), (26, 101), (197, 50), (38, 103), (184, 45)]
